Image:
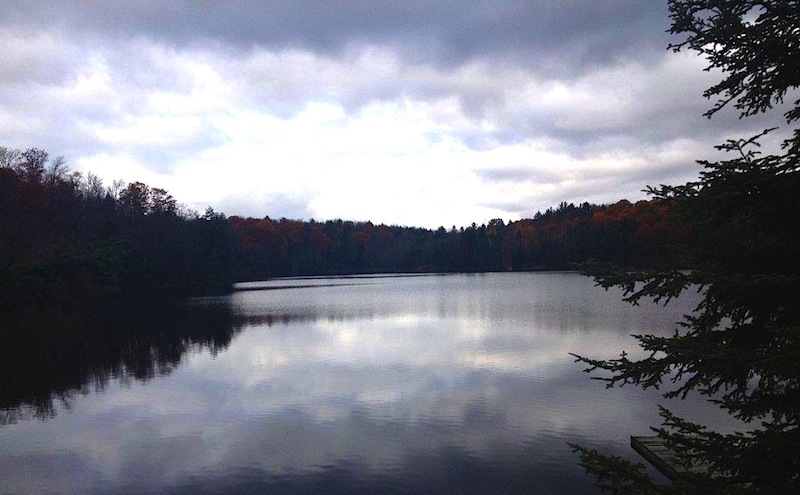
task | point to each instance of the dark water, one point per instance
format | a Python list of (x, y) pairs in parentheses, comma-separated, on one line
[(421, 384)]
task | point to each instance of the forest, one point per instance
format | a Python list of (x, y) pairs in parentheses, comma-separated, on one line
[(64, 233)]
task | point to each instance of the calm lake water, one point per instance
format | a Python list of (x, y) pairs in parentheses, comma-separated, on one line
[(413, 384)]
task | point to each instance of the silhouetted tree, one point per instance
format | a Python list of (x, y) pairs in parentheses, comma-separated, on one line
[(31, 164), (742, 345)]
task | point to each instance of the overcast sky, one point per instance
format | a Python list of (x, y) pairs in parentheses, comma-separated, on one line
[(421, 113)]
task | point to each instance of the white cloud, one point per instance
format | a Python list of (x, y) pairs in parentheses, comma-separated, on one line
[(364, 132)]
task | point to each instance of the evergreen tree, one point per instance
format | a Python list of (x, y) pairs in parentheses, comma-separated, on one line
[(741, 347)]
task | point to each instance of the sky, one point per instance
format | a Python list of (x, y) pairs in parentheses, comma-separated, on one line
[(415, 113)]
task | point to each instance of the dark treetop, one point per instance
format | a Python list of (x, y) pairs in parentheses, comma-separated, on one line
[(741, 347)]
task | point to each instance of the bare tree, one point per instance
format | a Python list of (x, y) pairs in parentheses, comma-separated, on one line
[(9, 157)]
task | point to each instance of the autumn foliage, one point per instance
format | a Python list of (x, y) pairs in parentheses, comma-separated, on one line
[(628, 234), (62, 230)]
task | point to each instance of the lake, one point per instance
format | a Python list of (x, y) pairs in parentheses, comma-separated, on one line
[(375, 384)]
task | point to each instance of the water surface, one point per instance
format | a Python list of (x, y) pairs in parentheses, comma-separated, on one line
[(411, 384)]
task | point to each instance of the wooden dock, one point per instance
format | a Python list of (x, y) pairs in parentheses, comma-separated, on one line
[(656, 452)]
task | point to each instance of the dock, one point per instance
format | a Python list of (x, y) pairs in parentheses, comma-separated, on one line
[(656, 452)]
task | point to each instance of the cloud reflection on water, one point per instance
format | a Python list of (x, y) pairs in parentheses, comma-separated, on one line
[(400, 385)]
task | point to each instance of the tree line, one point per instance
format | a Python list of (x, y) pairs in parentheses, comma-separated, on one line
[(63, 230), (629, 234)]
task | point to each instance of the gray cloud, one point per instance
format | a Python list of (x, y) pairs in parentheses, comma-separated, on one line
[(518, 174), (176, 87), (552, 35)]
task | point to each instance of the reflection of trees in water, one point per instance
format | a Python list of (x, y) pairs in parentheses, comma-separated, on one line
[(49, 356), (242, 321)]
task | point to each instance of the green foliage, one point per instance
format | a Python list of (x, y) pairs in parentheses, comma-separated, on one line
[(63, 234), (55, 281), (741, 347)]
